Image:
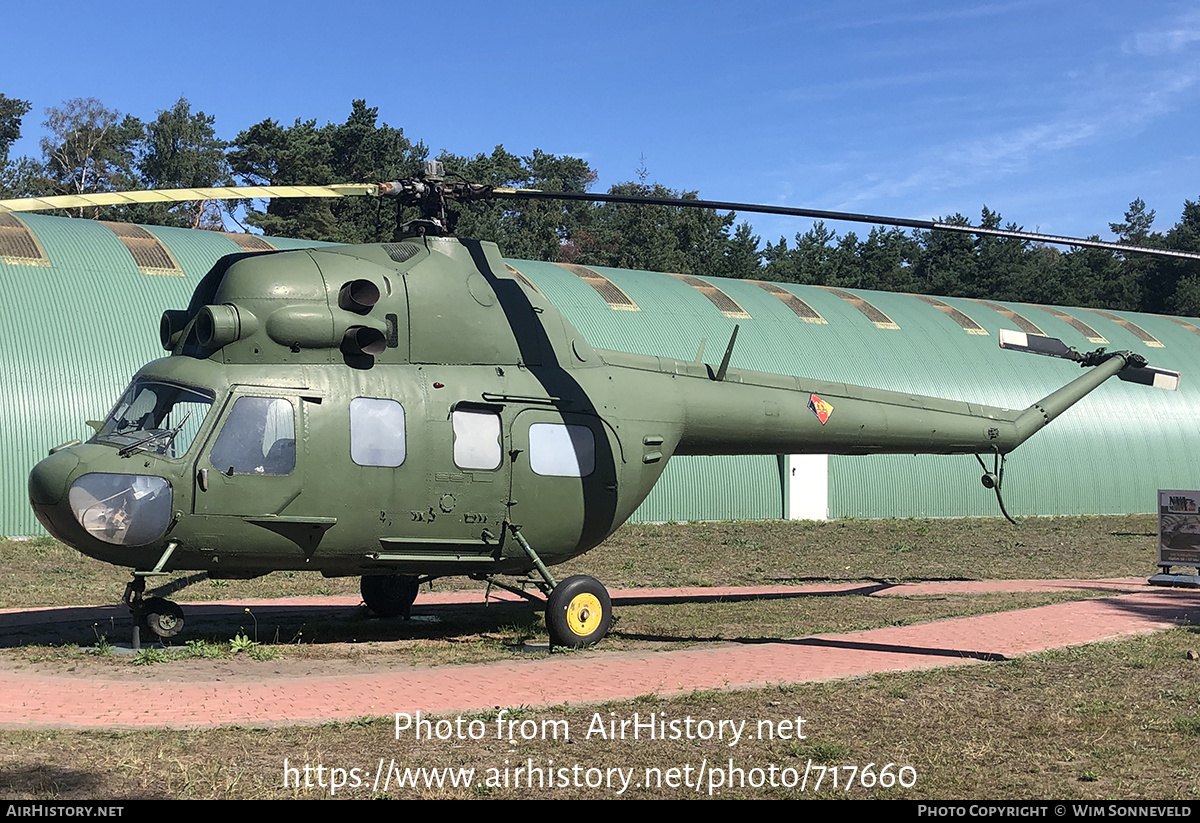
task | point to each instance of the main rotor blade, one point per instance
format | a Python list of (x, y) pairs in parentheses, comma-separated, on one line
[(124, 198), (471, 192), (851, 217)]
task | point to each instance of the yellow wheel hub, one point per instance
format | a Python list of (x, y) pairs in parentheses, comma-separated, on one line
[(583, 614)]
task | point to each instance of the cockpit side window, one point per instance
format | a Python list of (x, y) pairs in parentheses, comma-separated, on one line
[(157, 417), (259, 437)]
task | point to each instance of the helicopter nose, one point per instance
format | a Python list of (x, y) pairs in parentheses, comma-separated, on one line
[(48, 483), (49, 478), (121, 509)]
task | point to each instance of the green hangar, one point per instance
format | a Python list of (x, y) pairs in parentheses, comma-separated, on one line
[(82, 301)]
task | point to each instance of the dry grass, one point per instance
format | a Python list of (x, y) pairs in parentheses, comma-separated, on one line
[(46, 573), (745, 553)]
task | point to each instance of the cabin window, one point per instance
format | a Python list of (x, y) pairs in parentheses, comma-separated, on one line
[(560, 450), (259, 437), (376, 432), (476, 439)]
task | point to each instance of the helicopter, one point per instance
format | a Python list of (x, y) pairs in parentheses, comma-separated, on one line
[(411, 410)]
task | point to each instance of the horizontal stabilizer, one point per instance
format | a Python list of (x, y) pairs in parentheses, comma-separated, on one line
[(1036, 344), (1151, 376)]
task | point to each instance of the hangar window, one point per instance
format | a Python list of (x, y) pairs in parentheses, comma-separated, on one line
[(148, 252), (18, 245), (613, 295), (259, 437), (476, 439), (560, 450), (376, 432)]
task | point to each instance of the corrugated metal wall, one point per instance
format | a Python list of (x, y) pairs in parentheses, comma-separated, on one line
[(73, 331)]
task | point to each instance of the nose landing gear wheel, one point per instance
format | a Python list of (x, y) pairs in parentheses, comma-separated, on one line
[(390, 595), (162, 617), (578, 612)]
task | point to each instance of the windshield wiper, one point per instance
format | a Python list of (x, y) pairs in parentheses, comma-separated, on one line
[(127, 450)]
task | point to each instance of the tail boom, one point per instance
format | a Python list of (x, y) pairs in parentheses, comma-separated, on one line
[(749, 412)]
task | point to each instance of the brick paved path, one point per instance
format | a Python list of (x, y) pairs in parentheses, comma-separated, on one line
[(36, 699)]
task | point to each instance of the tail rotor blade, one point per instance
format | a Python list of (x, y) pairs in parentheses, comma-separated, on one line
[(1036, 344), (1137, 371), (1151, 376)]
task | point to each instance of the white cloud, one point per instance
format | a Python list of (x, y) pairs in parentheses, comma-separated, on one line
[(966, 12), (1173, 38), (1101, 105)]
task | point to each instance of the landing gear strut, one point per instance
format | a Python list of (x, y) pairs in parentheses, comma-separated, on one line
[(578, 609), (390, 595), (158, 616)]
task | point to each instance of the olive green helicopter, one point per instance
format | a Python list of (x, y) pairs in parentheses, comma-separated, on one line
[(412, 410)]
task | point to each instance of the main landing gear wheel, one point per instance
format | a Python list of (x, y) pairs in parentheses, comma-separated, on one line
[(578, 612), (162, 617), (390, 595)]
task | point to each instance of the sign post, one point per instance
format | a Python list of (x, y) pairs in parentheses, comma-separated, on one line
[(1178, 537)]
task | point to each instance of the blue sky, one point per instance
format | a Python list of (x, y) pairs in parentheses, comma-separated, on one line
[(1055, 113)]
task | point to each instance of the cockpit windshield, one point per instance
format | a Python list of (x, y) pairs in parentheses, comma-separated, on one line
[(158, 417)]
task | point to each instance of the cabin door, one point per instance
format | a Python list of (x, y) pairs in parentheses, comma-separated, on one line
[(250, 466), (564, 486)]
